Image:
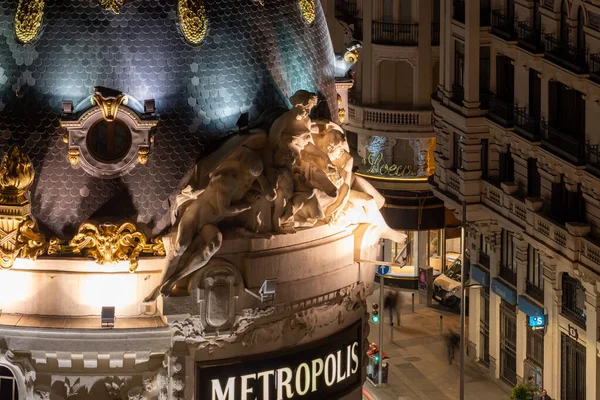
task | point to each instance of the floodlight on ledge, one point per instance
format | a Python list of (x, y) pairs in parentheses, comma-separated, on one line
[(266, 293), (108, 317), (149, 106), (67, 107)]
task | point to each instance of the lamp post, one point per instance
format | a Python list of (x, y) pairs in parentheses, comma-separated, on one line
[(463, 245)]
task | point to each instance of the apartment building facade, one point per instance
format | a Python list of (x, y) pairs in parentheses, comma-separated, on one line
[(389, 121), (516, 117)]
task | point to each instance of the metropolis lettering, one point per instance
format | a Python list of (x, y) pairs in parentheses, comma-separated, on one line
[(287, 383)]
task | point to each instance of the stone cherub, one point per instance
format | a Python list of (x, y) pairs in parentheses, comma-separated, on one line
[(198, 236)]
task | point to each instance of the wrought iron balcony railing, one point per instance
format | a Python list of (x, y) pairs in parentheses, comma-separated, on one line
[(563, 144), (565, 55), (534, 291), (501, 111), (484, 259), (527, 126), (389, 33), (503, 26), (435, 34), (458, 94), (530, 38), (508, 275), (345, 10), (458, 10), (574, 315)]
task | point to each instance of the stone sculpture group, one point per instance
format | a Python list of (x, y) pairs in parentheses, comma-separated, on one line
[(297, 175)]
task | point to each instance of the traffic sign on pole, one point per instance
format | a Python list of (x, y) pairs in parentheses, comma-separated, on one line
[(383, 269)]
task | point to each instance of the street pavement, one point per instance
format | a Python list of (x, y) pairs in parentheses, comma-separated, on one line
[(418, 364)]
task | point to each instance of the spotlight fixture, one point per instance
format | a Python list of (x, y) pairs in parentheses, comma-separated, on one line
[(266, 293), (149, 106), (108, 317), (67, 107), (243, 123)]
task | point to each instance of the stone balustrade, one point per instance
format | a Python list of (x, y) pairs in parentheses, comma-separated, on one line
[(380, 119)]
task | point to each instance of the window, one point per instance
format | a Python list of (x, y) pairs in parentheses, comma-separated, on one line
[(484, 258), (566, 110), (507, 167), (457, 155), (484, 75), (535, 346), (459, 71), (508, 266), (535, 94), (109, 142), (535, 275), (388, 11), (505, 79), (564, 26), (566, 206), (484, 159), (534, 180), (580, 32), (573, 300), (8, 385), (572, 369)]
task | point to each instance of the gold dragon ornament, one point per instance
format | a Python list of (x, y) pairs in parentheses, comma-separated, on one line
[(19, 234), (307, 8), (28, 19), (192, 18), (109, 243)]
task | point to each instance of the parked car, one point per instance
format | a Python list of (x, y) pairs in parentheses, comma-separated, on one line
[(446, 287)]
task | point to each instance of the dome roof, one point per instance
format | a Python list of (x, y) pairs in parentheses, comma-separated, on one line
[(253, 57)]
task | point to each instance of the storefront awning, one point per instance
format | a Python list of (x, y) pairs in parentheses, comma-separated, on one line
[(505, 292), (529, 307)]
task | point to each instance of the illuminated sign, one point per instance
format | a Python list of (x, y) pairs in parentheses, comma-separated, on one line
[(537, 321), (376, 165), (328, 369)]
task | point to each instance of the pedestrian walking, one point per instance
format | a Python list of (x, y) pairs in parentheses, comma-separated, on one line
[(452, 342), (391, 304)]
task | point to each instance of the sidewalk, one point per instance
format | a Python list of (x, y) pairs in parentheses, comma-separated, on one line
[(418, 364)]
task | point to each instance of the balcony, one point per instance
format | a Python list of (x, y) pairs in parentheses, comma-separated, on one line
[(534, 292), (484, 259), (458, 10), (529, 38), (458, 94), (392, 34), (526, 126), (503, 26), (381, 119), (595, 67), (435, 34), (502, 112), (563, 144), (574, 315), (345, 11), (508, 275), (565, 55)]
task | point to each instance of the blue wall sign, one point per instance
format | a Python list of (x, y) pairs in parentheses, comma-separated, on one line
[(383, 269), (537, 321), (505, 292)]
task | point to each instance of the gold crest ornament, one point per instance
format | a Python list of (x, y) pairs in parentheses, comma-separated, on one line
[(28, 19), (109, 102), (307, 8), (112, 5), (110, 243), (192, 18)]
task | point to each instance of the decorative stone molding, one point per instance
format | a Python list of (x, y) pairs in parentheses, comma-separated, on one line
[(534, 203), (509, 188), (134, 133), (578, 229)]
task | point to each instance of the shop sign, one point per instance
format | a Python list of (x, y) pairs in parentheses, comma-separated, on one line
[(504, 291), (376, 165), (537, 321), (325, 370)]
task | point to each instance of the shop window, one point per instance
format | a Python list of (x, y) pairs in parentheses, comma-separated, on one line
[(508, 265), (573, 300), (8, 385), (572, 368), (535, 274), (535, 346)]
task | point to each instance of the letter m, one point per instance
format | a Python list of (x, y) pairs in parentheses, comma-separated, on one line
[(219, 394)]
